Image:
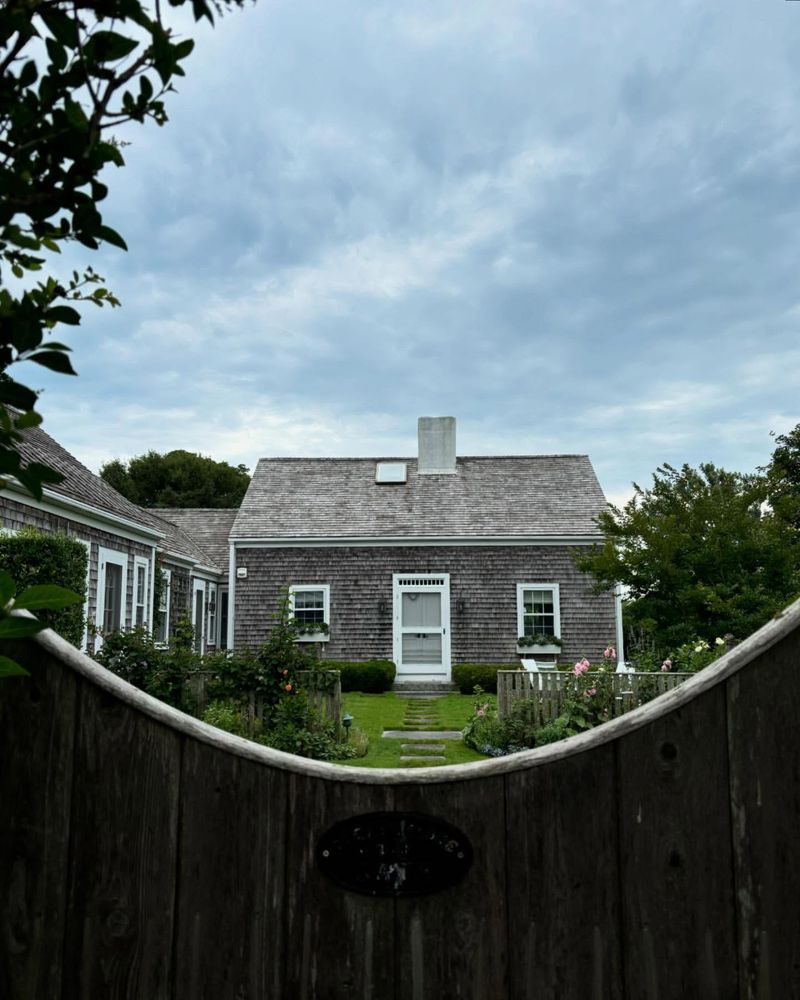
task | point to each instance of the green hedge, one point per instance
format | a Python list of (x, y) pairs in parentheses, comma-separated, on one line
[(467, 675), (33, 558), (368, 676)]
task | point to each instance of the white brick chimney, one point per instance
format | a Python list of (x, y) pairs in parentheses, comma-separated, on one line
[(437, 446)]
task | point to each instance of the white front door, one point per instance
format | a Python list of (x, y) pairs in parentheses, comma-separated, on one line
[(422, 626)]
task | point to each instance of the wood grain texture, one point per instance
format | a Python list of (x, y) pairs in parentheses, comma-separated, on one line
[(340, 943), (679, 932), (230, 941), (764, 747), (563, 899), (123, 851), (454, 943), (37, 716)]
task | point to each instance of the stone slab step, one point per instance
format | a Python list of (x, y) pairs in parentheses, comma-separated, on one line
[(421, 759), (423, 747), (430, 734)]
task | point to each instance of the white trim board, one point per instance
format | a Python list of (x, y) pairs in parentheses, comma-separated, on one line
[(83, 513)]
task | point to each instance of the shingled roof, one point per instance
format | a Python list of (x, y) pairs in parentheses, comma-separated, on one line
[(488, 497), (208, 527), (80, 483)]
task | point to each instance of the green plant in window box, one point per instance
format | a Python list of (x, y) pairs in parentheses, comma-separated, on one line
[(307, 629), (529, 641)]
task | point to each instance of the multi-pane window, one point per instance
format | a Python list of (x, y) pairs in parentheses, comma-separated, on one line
[(141, 570), (309, 605), (112, 583), (112, 597), (537, 609), (161, 632), (211, 624)]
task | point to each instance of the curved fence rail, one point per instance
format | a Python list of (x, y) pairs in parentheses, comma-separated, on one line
[(145, 855)]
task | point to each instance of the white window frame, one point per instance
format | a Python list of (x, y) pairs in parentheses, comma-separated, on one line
[(116, 558), (199, 587), (554, 589), (141, 600), (326, 609), (212, 590), (165, 600)]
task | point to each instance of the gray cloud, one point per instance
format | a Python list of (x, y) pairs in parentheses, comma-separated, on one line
[(576, 228)]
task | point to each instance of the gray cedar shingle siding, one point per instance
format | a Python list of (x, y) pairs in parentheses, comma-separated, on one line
[(484, 577), (499, 497)]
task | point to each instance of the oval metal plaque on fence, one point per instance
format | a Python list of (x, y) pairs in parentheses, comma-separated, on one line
[(394, 854)]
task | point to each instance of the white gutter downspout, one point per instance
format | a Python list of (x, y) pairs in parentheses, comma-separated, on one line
[(621, 665), (231, 593)]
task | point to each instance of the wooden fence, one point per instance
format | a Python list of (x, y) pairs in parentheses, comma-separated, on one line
[(547, 690), (147, 856), (323, 688)]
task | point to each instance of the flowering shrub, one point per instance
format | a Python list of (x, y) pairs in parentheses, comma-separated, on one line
[(688, 658)]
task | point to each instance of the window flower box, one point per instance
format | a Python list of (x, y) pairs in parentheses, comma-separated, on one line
[(533, 645), (317, 636)]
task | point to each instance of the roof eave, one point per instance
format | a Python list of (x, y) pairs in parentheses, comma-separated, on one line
[(51, 498), (413, 540)]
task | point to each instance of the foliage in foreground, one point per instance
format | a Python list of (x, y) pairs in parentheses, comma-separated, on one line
[(38, 597)]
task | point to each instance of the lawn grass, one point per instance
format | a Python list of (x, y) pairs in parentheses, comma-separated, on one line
[(373, 713)]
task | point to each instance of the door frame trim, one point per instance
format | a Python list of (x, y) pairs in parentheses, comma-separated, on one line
[(417, 583)]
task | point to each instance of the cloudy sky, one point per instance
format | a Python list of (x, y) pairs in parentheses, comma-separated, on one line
[(575, 227)]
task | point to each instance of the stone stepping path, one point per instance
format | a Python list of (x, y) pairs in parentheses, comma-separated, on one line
[(423, 745), (422, 734)]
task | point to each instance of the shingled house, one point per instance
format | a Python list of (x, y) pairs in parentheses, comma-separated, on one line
[(425, 561), (125, 547)]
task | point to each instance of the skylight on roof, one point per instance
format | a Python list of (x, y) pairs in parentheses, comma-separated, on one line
[(390, 472)]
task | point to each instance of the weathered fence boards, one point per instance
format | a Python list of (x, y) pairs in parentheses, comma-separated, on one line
[(145, 855), (547, 689)]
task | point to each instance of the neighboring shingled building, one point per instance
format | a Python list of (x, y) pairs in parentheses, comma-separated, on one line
[(425, 561), (125, 546)]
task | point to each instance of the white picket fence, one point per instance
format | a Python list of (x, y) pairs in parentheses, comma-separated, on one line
[(549, 688)]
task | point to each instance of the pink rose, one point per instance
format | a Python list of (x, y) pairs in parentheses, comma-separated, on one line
[(609, 652)]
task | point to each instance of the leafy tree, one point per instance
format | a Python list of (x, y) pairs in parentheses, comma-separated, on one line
[(699, 554), (783, 477), (71, 72), (178, 479)]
